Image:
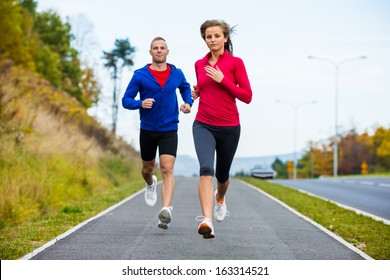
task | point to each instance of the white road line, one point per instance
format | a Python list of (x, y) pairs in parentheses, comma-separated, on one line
[(65, 234), (367, 183), (350, 182), (357, 211), (324, 229)]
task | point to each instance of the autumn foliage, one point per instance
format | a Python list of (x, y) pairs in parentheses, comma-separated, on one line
[(42, 43), (355, 151)]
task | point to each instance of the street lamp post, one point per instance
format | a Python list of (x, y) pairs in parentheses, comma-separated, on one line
[(337, 68), (295, 107)]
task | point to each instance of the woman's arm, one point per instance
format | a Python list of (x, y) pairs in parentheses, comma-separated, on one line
[(242, 90)]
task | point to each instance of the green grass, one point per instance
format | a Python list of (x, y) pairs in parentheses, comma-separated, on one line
[(17, 241), (44, 195), (58, 166), (370, 236)]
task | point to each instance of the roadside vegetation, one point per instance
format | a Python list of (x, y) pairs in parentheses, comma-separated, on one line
[(359, 154), (42, 43), (21, 238), (366, 234), (58, 166)]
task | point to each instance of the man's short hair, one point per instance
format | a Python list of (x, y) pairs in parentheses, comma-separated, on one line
[(158, 38)]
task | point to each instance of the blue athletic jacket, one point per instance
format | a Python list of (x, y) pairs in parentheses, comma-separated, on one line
[(164, 115)]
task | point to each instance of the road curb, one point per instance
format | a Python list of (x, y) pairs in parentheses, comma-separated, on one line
[(70, 231), (322, 228)]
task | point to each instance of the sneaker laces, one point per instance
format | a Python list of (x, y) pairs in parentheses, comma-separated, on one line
[(150, 191), (220, 208), (202, 218)]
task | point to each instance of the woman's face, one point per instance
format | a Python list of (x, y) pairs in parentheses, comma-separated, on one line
[(215, 39)]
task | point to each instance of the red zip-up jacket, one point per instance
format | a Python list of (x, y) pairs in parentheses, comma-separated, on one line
[(217, 101)]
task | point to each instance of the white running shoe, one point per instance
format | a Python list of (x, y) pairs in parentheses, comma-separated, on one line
[(165, 217), (205, 227), (151, 192), (220, 210)]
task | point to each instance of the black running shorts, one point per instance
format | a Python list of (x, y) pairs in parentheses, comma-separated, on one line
[(150, 140)]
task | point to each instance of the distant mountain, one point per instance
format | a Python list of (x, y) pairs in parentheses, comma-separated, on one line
[(189, 166), (186, 166)]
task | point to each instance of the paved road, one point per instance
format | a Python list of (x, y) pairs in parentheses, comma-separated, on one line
[(258, 228), (371, 194)]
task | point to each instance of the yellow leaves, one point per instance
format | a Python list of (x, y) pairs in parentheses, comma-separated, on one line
[(12, 43), (90, 87), (382, 144), (384, 149), (383, 153)]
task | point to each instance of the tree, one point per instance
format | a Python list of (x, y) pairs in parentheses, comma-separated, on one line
[(85, 44), (354, 150), (307, 163), (317, 161), (111, 64), (41, 42), (352, 154), (121, 56), (381, 141), (13, 39), (29, 6), (90, 87), (370, 157), (280, 168), (57, 36)]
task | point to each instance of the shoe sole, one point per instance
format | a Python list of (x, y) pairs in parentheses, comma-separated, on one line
[(217, 219), (150, 204), (165, 216), (162, 225), (206, 231)]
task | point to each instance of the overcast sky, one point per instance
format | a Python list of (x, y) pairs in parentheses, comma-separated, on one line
[(274, 39)]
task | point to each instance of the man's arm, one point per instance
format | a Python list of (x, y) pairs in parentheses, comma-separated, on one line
[(131, 92)]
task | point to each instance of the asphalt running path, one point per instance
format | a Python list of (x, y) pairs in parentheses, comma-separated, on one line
[(258, 228), (368, 196)]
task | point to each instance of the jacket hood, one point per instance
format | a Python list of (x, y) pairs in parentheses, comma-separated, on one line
[(145, 70)]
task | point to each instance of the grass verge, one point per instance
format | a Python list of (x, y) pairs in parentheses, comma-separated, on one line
[(17, 241), (370, 236)]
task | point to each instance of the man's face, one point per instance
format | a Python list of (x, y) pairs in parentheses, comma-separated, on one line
[(159, 51)]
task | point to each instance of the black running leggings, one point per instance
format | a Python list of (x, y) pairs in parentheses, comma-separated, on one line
[(222, 140)]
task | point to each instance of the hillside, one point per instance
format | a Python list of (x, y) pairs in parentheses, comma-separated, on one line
[(53, 155)]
